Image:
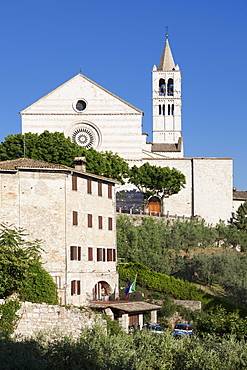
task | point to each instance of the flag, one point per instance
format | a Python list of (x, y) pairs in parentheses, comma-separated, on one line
[(132, 288), (127, 290)]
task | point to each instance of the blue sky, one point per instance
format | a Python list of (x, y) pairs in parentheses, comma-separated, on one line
[(116, 43)]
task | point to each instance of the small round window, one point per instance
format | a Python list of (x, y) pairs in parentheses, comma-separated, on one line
[(80, 105)]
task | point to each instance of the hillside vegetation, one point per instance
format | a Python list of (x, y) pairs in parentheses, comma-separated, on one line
[(191, 251)]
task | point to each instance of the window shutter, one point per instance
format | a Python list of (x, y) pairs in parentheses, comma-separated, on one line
[(90, 254), (100, 189), (73, 255), (79, 254), (74, 182), (109, 223), (89, 186), (99, 254), (75, 218), (73, 287), (100, 220), (90, 220), (109, 255), (78, 287), (109, 191)]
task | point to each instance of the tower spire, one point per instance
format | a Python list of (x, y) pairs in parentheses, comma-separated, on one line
[(166, 60)]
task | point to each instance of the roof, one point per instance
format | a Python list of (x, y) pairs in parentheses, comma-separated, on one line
[(239, 194), (128, 307), (80, 75), (166, 60), (167, 147), (34, 164)]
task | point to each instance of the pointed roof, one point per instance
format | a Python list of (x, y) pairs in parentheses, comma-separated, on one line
[(166, 60), (78, 77)]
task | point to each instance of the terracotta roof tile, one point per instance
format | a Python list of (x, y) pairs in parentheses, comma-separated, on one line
[(15, 164)]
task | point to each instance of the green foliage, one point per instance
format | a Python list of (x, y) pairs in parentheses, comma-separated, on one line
[(240, 220), (179, 249), (56, 148), (218, 321), (8, 317), (159, 181), (39, 286), (142, 350), (20, 268), (113, 327), (173, 287)]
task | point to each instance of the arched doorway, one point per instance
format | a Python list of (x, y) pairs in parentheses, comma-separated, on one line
[(154, 205), (101, 291)]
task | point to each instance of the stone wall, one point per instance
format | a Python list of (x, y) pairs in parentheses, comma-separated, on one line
[(191, 305), (35, 318)]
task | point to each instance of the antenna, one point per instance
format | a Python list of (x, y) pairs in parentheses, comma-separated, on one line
[(167, 32)]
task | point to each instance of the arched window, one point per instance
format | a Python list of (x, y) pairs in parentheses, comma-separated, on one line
[(162, 87), (170, 87)]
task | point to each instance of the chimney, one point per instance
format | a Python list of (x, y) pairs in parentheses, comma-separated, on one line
[(80, 164)]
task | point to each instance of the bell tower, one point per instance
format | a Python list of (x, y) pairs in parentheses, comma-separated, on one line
[(166, 96)]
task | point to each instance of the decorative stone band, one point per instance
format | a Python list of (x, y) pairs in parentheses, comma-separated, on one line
[(85, 134)]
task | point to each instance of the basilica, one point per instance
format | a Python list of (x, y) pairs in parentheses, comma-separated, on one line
[(95, 117)]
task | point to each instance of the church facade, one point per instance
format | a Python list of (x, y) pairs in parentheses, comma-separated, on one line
[(94, 117)]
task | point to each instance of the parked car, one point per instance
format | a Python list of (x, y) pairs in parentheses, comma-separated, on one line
[(155, 328), (183, 329)]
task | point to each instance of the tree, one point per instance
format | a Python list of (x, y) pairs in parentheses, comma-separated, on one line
[(56, 148), (240, 220), (20, 268), (156, 181)]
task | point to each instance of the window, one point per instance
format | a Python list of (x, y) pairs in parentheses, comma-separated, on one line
[(90, 254), (75, 218), (173, 109), (100, 189), (75, 253), (100, 222), (109, 255), (75, 287), (89, 186), (162, 109), (162, 87), (99, 254), (170, 87), (74, 182), (109, 191), (109, 223), (169, 109), (89, 220)]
